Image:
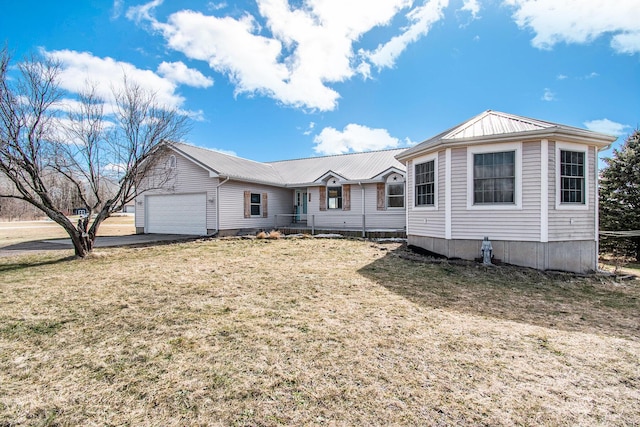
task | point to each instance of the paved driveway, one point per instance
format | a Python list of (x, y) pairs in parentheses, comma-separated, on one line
[(101, 242)]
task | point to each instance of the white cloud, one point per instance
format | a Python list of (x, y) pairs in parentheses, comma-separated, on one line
[(548, 95), (580, 21), (309, 129), (81, 68), (607, 126), (354, 138), (178, 72), (293, 53), (421, 18), (116, 9), (471, 6), (562, 77)]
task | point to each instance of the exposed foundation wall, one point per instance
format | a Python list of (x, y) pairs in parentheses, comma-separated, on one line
[(574, 256)]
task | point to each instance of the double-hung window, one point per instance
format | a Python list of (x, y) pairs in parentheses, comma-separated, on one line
[(572, 177), (494, 178), (255, 204), (425, 184), (334, 197)]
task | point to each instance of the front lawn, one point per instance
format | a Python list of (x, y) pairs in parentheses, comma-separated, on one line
[(310, 332)]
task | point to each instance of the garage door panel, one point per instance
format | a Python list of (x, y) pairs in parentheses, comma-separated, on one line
[(176, 214)]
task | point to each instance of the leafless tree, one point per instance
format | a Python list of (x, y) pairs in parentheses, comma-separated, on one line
[(99, 160)]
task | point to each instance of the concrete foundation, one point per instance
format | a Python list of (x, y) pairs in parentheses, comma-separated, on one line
[(573, 256)]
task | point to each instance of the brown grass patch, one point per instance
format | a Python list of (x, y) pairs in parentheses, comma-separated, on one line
[(15, 232), (310, 332)]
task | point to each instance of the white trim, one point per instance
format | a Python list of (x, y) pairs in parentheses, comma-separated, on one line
[(419, 160), (597, 205), (544, 190), (406, 197), (569, 146), (447, 194), (387, 182), (496, 148)]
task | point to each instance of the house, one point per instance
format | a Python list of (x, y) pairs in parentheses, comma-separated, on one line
[(214, 193), (528, 185)]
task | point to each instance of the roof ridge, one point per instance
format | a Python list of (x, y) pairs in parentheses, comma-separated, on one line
[(337, 155)]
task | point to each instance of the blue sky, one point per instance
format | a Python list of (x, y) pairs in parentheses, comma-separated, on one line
[(277, 79)]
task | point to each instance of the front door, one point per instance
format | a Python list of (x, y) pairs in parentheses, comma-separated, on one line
[(301, 205)]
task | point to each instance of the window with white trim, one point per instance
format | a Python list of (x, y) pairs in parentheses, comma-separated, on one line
[(395, 192), (334, 197), (425, 188), (494, 178), (572, 177), (255, 204)]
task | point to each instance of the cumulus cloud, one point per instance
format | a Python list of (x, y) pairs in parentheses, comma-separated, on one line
[(607, 126), (579, 21), (293, 53), (80, 69), (354, 138), (179, 73)]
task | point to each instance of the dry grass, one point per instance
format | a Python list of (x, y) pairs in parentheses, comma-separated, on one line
[(15, 232), (310, 332)]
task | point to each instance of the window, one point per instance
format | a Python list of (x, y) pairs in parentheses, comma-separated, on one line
[(255, 204), (334, 197), (172, 162), (494, 178), (425, 184), (572, 185), (395, 195)]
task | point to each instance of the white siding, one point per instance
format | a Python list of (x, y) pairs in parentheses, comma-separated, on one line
[(427, 221), (279, 201), (190, 178), (571, 224), (498, 224), (352, 219)]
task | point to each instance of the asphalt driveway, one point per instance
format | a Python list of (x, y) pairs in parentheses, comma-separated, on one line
[(101, 242)]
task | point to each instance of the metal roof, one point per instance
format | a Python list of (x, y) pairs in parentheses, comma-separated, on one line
[(502, 125), (353, 167)]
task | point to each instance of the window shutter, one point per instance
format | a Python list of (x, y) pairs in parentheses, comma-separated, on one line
[(323, 199), (264, 205), (247, 204), (380, 191), (346, 197)]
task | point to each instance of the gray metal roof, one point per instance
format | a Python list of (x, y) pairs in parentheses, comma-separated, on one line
[(352, 167), (496, 124), (230, 166)]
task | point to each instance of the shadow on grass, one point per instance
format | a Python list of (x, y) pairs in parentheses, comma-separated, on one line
[(23, 263), (561, 301)]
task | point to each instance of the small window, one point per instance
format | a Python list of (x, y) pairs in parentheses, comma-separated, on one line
[(395, 195), (172, 162), (255, 204), (572, 185), (334, 197), (425, 184), (494, 178)]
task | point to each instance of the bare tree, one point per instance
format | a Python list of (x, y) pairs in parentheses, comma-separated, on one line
[(101, 160)]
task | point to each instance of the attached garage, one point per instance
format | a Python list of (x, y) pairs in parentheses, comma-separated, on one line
[(176, 214)]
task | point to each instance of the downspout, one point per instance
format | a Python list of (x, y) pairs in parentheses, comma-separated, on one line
[(218, 204), (364, 224)]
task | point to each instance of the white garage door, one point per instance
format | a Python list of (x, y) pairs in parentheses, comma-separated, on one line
[(176, 214)]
